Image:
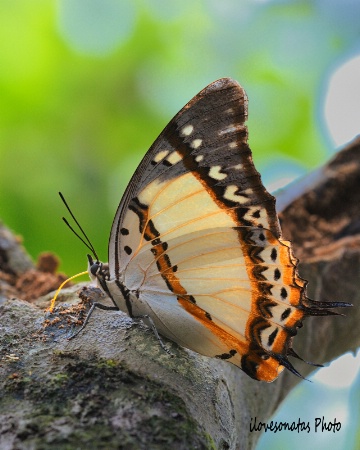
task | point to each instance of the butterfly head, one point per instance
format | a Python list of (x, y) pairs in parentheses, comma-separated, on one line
[(97, 270)]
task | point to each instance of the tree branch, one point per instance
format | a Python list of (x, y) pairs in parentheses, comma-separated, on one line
[(114, 387)]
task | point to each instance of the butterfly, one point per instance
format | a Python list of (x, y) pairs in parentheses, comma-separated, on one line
[(195, 249)]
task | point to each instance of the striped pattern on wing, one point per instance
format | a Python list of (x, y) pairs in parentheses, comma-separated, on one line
[(217, 282), (197, 238), (208, 139)]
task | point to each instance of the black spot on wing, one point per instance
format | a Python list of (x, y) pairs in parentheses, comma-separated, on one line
[(128, 250), (277, 274), (285, 314), (273, 254), (226, 355)]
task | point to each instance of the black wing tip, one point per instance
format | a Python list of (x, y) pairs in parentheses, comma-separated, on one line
[(223, 83), (227, 81)]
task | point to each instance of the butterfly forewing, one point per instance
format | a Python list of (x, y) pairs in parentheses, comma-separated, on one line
[(196, 236), (207, 141)]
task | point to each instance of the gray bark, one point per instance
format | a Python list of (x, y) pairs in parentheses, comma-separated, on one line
[(113, 387)]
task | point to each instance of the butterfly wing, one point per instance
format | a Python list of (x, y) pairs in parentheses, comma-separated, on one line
[(196, 237), (204, 145)]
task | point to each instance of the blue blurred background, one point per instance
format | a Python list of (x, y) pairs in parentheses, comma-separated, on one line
[(87, 85)]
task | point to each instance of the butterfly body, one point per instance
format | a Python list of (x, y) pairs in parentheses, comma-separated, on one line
[(196, 247)]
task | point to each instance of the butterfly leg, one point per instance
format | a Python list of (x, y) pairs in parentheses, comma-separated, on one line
[(91, 310), (150, 323)]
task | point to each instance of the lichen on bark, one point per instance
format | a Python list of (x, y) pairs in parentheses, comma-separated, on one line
[(113, 386)]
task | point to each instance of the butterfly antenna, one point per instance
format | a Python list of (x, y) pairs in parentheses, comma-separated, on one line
[(87, 242)]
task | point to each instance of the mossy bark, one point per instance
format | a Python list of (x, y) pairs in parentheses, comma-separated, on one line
[(113, 387)]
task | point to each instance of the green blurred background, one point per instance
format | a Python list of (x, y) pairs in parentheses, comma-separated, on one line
[(87, 85)]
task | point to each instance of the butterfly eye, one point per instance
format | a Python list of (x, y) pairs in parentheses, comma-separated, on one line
[(95, 268)]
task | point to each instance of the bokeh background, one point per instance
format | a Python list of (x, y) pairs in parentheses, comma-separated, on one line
[(87, 85)]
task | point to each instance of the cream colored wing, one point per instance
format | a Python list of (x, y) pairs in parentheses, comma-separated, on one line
[(196, 242)]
